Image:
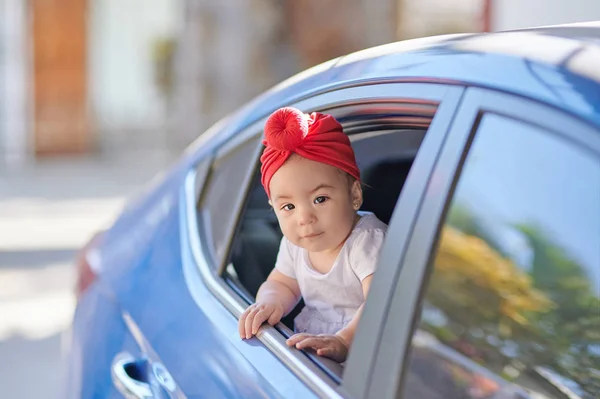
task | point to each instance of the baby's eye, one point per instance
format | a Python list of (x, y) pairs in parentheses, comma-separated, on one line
[(287, 207), (321, 199)]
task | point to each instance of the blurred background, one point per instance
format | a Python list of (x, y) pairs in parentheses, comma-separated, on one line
[(97, 96)]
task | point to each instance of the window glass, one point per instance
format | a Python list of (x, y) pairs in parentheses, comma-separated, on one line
[(223, 193), (512, 308), (254, 249)]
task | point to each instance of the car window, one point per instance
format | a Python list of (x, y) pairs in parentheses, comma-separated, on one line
[(512, 307), (223, 193), (384, 159)]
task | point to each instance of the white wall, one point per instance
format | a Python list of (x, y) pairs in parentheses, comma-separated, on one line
[(14, 89), (420, 18), (516, 14), (124, 99)]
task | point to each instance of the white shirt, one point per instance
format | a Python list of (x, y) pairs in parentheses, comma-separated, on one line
[(333, 298)]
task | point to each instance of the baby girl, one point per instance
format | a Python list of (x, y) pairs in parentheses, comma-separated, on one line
[(328, 252)]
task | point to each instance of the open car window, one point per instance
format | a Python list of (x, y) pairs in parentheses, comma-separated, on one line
[(386, 129), (384, 149), (384, 157)]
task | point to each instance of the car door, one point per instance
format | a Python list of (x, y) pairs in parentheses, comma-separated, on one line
[(214, 224), (498, 294), (183, 343), (108, 356)]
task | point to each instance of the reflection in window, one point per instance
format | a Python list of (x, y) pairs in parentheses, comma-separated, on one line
[(223, 192), (514, 297)]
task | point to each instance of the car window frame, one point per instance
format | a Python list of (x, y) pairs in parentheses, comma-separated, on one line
[(417, 264), (448, 98)]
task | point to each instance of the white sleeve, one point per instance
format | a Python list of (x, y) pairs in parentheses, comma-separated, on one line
[(364, 253), (285, 259)]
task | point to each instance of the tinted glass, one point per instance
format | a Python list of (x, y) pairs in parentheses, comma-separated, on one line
[(512, 308), (218, 208)]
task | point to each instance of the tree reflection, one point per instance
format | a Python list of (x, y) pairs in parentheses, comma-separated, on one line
[(572, 333), (501, 315)]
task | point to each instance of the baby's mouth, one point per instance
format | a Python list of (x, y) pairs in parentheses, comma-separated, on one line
[(312, 235)]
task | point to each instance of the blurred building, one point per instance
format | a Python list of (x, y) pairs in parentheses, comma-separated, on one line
[(230, 51), (129, 46), (420, 18), (44, 90), (82, 76), (226, 53), (103, 76), (517, 14)]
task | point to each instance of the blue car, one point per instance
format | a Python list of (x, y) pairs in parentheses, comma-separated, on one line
[(482, 154)]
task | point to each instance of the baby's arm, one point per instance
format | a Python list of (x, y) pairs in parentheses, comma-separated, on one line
[(276, 297), (333, 346)]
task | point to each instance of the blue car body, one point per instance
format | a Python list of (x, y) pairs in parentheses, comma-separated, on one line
[(150, 301)]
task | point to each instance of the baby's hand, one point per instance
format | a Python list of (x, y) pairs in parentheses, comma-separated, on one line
[(256, 314), (331, 346)]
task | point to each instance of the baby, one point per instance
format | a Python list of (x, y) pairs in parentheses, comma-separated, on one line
[(328, 252)]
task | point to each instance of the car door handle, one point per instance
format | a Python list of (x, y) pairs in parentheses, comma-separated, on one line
[(138, 378)]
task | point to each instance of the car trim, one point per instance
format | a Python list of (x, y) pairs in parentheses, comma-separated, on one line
[(361, 92)]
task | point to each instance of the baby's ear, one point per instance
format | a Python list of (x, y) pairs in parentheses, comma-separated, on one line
[(270, 203), (356, 192)]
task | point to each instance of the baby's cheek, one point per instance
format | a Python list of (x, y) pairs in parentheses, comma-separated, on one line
[(288, 230), (283, 221)]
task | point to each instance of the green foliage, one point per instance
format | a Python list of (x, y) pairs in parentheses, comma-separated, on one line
[(551, 314)]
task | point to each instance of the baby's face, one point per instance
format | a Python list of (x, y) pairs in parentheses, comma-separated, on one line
[(314, 203)]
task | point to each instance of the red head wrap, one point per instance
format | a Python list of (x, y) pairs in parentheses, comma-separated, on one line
[(318, 137)]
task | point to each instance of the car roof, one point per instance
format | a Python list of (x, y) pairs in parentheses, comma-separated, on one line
[(557, 65), (561, 45)]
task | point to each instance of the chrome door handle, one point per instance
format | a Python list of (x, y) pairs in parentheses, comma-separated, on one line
[(132, 379)]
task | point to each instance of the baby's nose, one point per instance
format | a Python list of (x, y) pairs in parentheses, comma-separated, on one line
[(306, 216)]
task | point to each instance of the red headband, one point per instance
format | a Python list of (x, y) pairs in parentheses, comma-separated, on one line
[(318, 137)]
